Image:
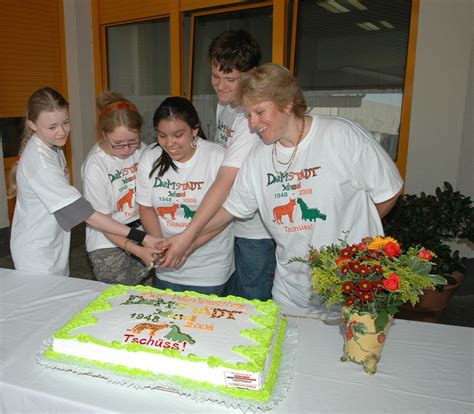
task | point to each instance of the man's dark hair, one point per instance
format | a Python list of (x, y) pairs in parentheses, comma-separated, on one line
[(235, 49)]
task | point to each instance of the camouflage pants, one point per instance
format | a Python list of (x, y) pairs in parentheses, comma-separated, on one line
[(114, 266)]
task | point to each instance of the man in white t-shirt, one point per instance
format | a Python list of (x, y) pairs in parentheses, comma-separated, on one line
[(230, 54)]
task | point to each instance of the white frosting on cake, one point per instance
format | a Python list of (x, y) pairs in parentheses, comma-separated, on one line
[(221, 341)]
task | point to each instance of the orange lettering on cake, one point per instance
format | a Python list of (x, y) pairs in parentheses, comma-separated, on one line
[(201, 326)]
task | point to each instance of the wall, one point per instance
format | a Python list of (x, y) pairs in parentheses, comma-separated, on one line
[(3, 199), (31, 41), (439, 135), (80, 74), (466, 162), (441, 142), (32, 45)]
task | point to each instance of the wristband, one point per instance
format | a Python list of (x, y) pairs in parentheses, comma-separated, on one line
[(136, 235)]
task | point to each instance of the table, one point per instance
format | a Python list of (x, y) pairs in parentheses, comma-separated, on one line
[(425, 368)]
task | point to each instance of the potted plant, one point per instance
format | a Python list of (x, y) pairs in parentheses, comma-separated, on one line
[(370, 280), (433, 221)]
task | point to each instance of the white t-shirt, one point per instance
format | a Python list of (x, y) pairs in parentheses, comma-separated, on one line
[(176, 196), (339, 172), (234, 134), (38, 243), (109, 185)]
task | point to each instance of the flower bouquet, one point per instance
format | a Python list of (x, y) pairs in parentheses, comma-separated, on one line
[(370, 280)]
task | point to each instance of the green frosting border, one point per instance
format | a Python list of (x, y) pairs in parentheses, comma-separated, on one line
[(255, 354)]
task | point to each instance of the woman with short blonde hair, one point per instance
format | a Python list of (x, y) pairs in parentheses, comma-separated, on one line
[(314, 179)]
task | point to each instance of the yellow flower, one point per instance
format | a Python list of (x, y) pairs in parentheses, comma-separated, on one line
[(378, 243)]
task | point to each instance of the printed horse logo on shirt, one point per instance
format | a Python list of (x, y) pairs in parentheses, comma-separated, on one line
[(284, 210), (310, 214), (171, 210), (188, 213), (126, 199)]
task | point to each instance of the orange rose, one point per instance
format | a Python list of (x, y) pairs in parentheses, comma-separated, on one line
[(392, 249), (425, 255), (392, 283)]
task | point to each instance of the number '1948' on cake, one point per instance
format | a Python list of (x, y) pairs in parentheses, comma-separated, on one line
[(231, 345)]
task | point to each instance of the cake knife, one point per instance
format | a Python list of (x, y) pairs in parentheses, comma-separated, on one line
[(144, 273)]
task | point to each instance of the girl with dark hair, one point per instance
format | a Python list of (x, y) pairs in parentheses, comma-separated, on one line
[(231, 54), (47, 206), (173, 177)]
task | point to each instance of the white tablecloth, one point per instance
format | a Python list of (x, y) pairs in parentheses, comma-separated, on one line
[(425, 368)]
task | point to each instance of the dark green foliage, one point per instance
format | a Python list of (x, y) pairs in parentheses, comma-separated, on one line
[(431, 221)]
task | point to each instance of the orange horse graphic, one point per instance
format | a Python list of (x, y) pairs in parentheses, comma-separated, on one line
[(284, 210), (126, 199), (153, 328), (171, 210)]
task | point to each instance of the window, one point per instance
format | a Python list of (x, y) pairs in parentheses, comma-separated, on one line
[(139, 66), (351, 58)]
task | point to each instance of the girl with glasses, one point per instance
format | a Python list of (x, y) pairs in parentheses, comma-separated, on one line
[(109, 177)]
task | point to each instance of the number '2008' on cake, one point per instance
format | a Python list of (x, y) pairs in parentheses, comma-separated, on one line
[(231, 345)]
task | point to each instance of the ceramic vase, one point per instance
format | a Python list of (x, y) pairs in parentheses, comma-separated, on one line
[(362, 342)]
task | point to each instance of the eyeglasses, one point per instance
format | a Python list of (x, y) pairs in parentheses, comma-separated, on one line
[(130, 144)]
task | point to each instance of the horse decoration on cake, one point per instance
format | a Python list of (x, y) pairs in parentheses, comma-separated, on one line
[(176, 335), (154, 328)]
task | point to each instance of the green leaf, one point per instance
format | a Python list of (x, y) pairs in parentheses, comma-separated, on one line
[(392, 309), (418, 266), (448, 186), (439, 280), (381, 321)]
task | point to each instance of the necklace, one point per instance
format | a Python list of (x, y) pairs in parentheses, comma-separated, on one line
[(293, 154)]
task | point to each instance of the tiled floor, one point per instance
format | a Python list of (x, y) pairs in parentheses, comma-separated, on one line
[(460, 310)]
